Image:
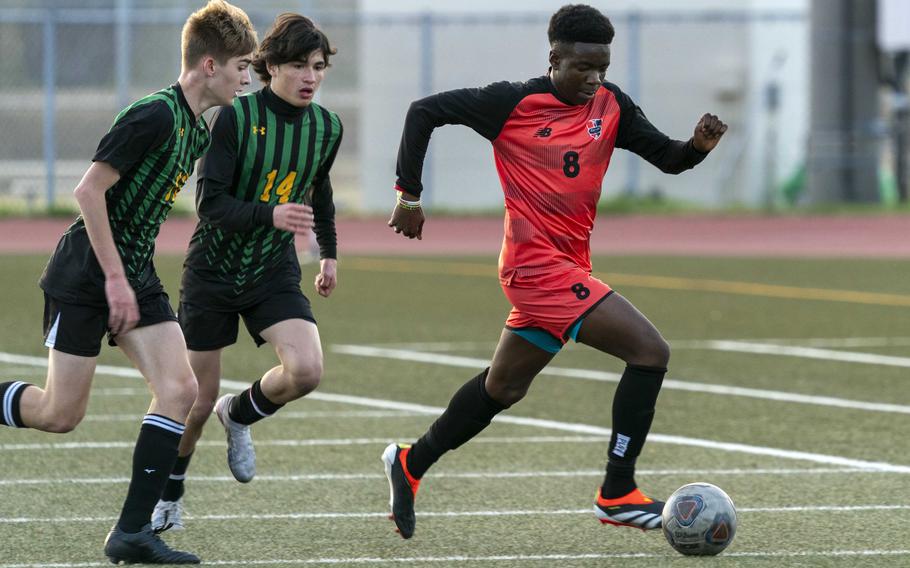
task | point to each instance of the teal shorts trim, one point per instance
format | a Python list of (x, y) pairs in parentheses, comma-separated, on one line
[(544, 340)]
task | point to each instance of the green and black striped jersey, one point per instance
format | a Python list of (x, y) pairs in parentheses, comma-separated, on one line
[(154, 144), (265, 152)]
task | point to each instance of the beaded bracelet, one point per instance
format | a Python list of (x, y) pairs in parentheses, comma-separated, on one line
[(409, 205)]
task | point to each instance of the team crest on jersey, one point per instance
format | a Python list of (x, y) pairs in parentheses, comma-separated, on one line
[(595, 127)]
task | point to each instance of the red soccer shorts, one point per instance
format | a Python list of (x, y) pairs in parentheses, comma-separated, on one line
[(554, 302)]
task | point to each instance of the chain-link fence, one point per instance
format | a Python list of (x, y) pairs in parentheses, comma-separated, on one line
[(67, 68)]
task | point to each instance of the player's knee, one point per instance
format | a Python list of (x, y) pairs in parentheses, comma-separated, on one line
[(651, 352), (189, 390), (304, 375), (180, 393), (660, 352), (507, 393), (510, 394), (202, 409), (62, 422)]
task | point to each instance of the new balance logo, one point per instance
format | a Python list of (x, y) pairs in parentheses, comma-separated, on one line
[(543, 133), (622, 444)]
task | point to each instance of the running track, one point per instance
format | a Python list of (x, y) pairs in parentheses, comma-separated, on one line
[(830, 236)]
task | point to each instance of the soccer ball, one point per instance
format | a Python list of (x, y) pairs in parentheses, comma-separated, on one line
[(699, 519)]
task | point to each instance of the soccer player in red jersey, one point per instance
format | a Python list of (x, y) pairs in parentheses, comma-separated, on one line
[(552, 138)]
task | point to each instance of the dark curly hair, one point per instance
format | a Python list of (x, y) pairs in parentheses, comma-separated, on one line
[(580, 23), (292, 38)]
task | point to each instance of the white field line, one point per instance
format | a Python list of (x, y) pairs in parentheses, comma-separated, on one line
[(809, 353), (17, 371), (446, 514), (839, 342), (548, 558), (600, 431), (442, 346), (286, 415), (315, 442), (485, 475), (592, 375), (546, 424)]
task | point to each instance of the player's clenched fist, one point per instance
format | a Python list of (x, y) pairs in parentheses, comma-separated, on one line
[(327, 278), (708, 132), (408, 222), (293, 217), (123, 311), (407, 217)]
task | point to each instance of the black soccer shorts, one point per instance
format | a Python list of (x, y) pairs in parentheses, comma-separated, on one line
[(77, 329), (206, 329)]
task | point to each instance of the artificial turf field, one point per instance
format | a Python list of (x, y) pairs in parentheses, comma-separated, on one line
[(787, 388)]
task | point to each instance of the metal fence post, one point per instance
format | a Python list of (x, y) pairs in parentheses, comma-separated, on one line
[(49, 70), (633, 88), (426, 89), (122, 33)]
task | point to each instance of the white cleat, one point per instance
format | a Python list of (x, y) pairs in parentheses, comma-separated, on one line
[(168, 515), (240, 453)]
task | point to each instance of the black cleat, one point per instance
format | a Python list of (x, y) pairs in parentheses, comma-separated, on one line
[(143, 547), (402, 488)]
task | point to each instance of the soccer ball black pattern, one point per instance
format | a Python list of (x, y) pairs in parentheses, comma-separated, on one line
[(699, 519)]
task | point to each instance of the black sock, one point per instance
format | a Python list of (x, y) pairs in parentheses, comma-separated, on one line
[(633, 411), (10, 393), (174, 488), (153, 460), (469, 412), (251, 406)]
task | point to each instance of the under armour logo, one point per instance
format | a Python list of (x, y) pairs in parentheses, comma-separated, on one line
[(543, 133), (150, 471)]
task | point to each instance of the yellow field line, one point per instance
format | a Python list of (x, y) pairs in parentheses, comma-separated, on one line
[(422, 267), (644, 281), (765, 290)]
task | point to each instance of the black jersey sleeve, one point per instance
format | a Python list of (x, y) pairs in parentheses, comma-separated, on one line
[(140, 130), (638, 135), (324, 206), (215, 202), (485, 110)]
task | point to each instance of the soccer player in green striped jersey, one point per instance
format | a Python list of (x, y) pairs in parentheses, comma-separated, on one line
[(101, 278), (264, 181)]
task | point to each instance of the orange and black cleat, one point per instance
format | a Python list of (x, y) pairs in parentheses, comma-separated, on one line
[(634, 509), (402, 488)]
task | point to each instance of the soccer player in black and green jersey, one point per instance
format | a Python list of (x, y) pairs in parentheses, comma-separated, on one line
[(265, 180), (101, 278)]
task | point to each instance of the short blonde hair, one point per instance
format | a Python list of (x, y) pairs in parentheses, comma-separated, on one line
[(218, 29)]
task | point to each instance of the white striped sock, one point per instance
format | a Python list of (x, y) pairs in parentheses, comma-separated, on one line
[(8, 397), (164, 423)]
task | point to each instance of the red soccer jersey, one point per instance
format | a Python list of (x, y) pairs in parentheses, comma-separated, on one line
[(551, 157)]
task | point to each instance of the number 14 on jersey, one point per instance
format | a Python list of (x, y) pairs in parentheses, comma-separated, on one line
[(283, 191)]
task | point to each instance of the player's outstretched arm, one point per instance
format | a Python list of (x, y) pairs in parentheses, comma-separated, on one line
[(407, 219), (121, 299), (708, 133)]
